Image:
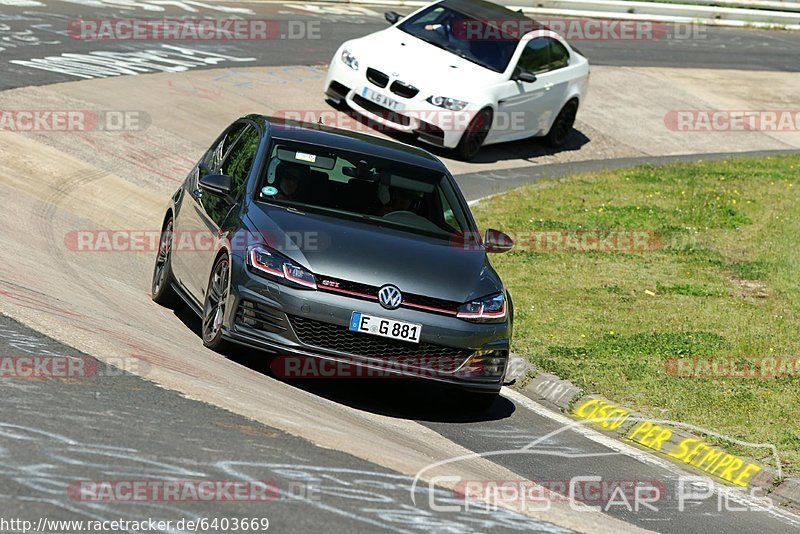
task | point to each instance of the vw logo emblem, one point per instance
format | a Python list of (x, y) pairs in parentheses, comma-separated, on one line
[(390, 297)]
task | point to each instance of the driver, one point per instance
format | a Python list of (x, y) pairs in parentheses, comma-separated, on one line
[(401, 200), (289, 179)]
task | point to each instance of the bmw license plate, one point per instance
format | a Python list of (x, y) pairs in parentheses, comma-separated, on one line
[(385, 101), (380, 326)]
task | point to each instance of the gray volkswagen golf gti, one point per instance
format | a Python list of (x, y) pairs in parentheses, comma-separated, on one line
[(323, 245)]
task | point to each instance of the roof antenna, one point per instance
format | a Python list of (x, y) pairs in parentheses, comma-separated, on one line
[(320, 121)]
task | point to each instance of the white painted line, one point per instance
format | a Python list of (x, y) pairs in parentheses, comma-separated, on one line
[(487, 197), (734, 494)]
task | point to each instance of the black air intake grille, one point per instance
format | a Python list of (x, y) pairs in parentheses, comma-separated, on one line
[(339, 338), (260, 317)]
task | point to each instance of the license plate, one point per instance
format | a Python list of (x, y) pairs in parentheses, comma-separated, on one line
[(380, 326), (383, 100)]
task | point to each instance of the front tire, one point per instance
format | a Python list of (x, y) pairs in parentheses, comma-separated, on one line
[(473, 137), (215, 305), (161, 285), (563, 124)]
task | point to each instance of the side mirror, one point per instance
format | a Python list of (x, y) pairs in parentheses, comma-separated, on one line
[(497, 241), (392, 17), (524, 76), (218, 184)]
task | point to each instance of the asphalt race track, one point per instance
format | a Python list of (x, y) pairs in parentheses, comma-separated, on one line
[(41, 31), (342, 454)]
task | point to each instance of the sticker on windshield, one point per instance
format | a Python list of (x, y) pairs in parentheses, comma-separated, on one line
[(269, 190), (302, 156)]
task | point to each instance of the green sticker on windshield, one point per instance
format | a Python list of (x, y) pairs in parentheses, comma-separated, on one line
[(269, 191)]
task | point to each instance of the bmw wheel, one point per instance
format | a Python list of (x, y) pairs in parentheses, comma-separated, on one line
[(563, 124), (161, 286), (214, 307), (475, 134)]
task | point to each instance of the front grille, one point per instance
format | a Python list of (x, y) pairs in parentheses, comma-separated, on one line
[(339, 338), (260, 317), (431, 302), (354, 289), (381, 111), (377, 77), (403, 89), (368, 292)]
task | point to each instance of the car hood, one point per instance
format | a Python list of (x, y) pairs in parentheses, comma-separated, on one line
[(395, 51), (376, 255)]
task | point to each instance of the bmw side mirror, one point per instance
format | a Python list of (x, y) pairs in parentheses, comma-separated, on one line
[(218, 184), (524, 76), (497, 241), (392, 17)]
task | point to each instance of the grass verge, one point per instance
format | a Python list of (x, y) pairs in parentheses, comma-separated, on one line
[(718, 281)]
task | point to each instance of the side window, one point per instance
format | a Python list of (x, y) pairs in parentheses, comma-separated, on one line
[(559, 56), (535, 56), (543, 55), (239, 160), (213, 158), (240, 144)]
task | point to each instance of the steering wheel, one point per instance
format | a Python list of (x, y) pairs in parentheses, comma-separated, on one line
[(400, 214)]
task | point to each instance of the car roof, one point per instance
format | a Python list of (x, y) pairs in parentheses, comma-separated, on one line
[(483, 10), (330, 137)]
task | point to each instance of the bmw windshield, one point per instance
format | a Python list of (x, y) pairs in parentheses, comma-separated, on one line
[(463, 35), (349, 185)]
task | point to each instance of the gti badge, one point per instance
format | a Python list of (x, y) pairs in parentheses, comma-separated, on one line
[(390, 297)]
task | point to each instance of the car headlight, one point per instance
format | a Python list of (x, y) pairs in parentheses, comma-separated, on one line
[(447, 103), (349, 59), (265, 261), (486, 310)]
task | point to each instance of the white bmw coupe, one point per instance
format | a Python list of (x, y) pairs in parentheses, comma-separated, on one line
[(462, 74)]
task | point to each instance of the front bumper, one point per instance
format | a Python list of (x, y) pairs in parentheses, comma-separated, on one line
[(297, 322), (432, 124)]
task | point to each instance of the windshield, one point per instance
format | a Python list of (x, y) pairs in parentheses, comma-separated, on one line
[(464, 35), (346, 184)]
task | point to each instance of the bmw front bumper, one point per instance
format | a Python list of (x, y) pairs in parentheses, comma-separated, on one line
[(432, 124)]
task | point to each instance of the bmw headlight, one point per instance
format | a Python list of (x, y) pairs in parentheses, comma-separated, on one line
[(267, 262), (490, 309), (447, 103), (349, 59)]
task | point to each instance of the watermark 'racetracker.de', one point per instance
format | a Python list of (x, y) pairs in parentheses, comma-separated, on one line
[(72, 120), (172, 490), (187, 29), (764, 367), (733, 120)]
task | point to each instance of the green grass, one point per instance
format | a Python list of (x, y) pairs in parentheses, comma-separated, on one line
[(723, 284)]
